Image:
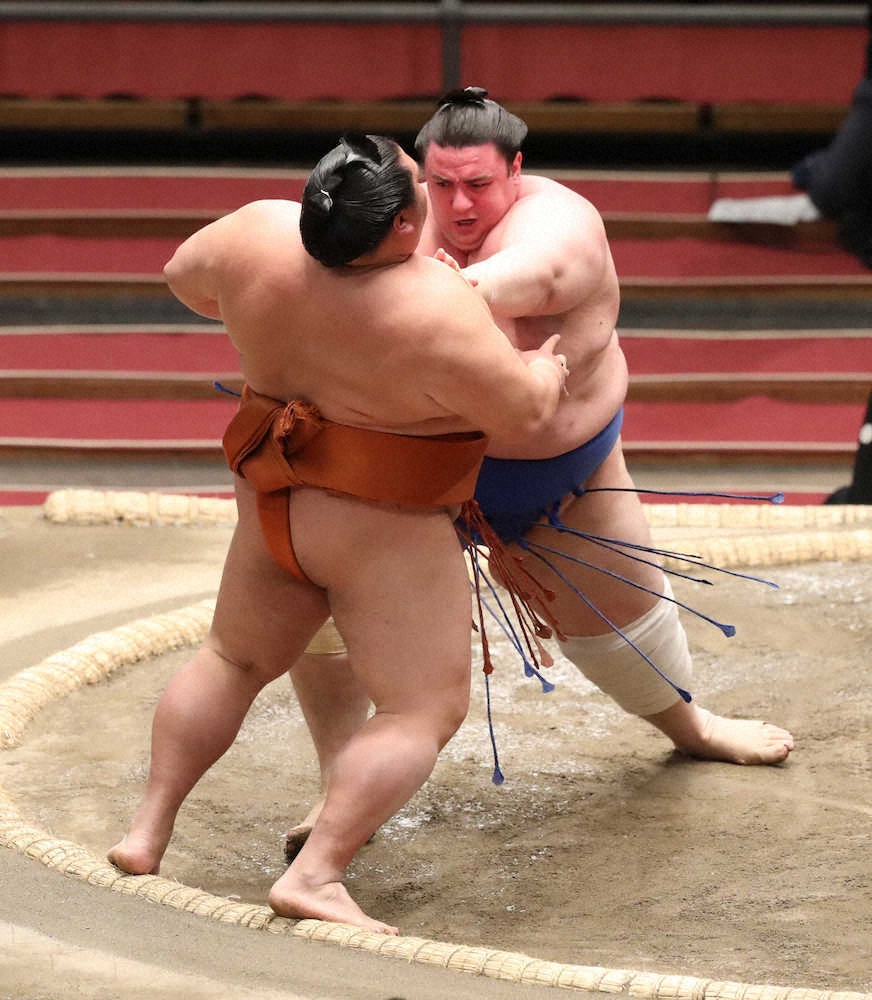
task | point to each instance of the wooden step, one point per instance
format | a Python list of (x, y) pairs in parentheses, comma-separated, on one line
[(183, 362), (676, 290), (221, 189), (651, 226), (808, 387), (675, 258), (170, 347), (833, 288), (173, 203), (205, 348), (84, 285), (776, 430), (148, 189), (65, 384), (129, 224), (766, 288), (785, 351), (727, 452), (647, 269), (180, 225)]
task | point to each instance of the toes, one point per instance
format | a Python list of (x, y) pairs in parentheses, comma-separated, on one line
[(379, 928)]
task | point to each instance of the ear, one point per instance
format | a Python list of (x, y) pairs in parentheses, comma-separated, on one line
[(403, 223), (515, 166)]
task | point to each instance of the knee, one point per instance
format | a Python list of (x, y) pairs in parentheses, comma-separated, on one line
[(256, 671), (452, 716), (618, 669), (441, 715)]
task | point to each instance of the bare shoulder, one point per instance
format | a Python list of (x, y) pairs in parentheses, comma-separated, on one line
[(548, 207), (272, 213), (435, 298), (439, 287), (255, 236)]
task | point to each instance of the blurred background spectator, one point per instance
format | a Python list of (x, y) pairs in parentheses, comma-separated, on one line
[(838, 178)]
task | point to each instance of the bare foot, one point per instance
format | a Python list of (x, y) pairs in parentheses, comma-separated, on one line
[(136, 856), (739, 741), (289, 897), (699, 733)]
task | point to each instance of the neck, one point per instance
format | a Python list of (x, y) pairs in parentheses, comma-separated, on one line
[(378, 258)]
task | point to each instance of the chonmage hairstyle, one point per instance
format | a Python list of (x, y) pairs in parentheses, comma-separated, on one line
[(352, 197), (469, 117)]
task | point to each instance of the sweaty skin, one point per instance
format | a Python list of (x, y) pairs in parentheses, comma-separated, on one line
[(394, 341), (537, 254), (543, 268)]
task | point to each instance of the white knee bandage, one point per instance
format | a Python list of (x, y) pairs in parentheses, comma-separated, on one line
[(618, 670)]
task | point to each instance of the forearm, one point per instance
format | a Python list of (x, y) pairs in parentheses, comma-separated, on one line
[(514, 282), (551, 376), (526, 403)]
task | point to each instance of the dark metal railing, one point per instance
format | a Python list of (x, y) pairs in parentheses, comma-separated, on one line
[(462, 11)]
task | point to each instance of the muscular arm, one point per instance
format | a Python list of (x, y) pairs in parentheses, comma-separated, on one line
[(473, 370), (190, 272), (194, 271), (554, 254)]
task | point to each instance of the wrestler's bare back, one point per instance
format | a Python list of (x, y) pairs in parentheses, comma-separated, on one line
[(550, 222), (396, 342), (386, 347)]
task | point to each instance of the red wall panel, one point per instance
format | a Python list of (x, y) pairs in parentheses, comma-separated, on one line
[(371, 61), (220, 60), (692, 63)]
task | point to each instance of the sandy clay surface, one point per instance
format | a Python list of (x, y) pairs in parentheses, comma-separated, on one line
[(602, 847)]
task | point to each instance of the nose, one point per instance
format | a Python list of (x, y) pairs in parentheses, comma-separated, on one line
[(460, 200)]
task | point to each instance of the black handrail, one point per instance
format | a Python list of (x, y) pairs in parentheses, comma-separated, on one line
[(435, 11)]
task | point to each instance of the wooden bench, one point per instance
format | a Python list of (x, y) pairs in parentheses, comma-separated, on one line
[(772, 118), (79, 114), (197, 115), (408, 116)]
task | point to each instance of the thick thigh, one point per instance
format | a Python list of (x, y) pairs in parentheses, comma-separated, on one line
[(264, 617), (398, 588), (611, 515)]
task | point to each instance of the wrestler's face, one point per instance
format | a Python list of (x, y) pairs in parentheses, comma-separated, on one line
[(471, 188)]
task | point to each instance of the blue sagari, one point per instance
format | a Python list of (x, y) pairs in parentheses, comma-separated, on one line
[(515, 494)]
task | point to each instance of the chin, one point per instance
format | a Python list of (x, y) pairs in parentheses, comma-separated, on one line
[(467, 239)]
